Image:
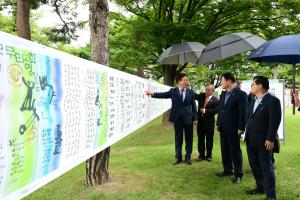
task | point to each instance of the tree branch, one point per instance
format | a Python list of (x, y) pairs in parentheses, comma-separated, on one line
[(159, 10), (140, 9), (200, 5), (170, 11), (193, 8), (181, 68), (267, 19), (180, 14), (214, 20), (222, 21), (56, 8), (135, 12)]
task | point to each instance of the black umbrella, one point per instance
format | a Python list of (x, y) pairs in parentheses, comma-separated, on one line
[(181, 53), (229, 45)]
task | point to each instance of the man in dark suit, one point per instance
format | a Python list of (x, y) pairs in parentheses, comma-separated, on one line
[(183, 113), (231, 124), (262, 126), (208, 106)]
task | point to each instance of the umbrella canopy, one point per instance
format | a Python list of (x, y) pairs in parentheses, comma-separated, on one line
[(229, 45), (284, 49), (181, 53)]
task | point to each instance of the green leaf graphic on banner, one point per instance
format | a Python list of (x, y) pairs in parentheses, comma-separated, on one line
[(23, 144), (102, 134)]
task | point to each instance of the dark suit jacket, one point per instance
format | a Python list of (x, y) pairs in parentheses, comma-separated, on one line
[(185, 110), (233, 115), (263, 124), (212, 107)]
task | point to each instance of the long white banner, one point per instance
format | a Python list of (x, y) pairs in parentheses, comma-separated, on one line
[(57, 110)]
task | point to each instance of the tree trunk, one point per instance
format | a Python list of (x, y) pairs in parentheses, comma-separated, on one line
[(97, 166), (276, 72), (170, 73), (22, 19), (99, 31), (141, 72)]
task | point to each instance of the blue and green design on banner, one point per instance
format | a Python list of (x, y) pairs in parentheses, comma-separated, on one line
[(34, 95), (102, 114)]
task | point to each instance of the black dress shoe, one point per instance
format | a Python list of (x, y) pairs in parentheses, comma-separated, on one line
[(237, 180), (255, 191), (209, 159), (188, 162), (177, 161), (222, 174), (200, 158)]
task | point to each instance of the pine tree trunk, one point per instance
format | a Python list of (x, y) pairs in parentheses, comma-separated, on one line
[(170, 73), (99, 31), (97, 166), (22, 19), (141, 72)]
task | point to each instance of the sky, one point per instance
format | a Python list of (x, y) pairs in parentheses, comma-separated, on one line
[(49, 18)]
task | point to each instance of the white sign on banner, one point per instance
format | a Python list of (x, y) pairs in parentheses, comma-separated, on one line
[(277, 89), (58, 110)]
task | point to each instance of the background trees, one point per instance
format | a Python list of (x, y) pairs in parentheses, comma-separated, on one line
[(160, 24), (136, 40)]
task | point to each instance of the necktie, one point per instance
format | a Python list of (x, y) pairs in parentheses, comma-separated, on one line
[(226, 97), (256, 103), (181, 94), (205, 102)]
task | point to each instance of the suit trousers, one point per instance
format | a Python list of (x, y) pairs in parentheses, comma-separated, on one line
[(232, 157), (205, 140), (262, 167), (179, 126)]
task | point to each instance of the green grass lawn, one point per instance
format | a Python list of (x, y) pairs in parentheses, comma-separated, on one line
[(141, 168)]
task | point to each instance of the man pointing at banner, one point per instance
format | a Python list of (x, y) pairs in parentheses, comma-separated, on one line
[(183, 113)]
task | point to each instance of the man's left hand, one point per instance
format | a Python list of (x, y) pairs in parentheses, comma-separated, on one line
[(269, 145), (195, 122)]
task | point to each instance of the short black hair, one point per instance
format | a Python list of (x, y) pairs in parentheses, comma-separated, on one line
[(263, 81), (179, 77), (228, 76)]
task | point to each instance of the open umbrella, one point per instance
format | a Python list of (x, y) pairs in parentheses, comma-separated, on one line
[(229, 45), (181, 53), (284, 49)]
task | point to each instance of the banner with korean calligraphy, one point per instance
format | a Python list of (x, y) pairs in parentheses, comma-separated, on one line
[(57, 110)]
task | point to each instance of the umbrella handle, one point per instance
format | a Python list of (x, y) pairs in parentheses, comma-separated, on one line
[(294, 86)]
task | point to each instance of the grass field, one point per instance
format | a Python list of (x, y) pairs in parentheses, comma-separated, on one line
[(140, 168)]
